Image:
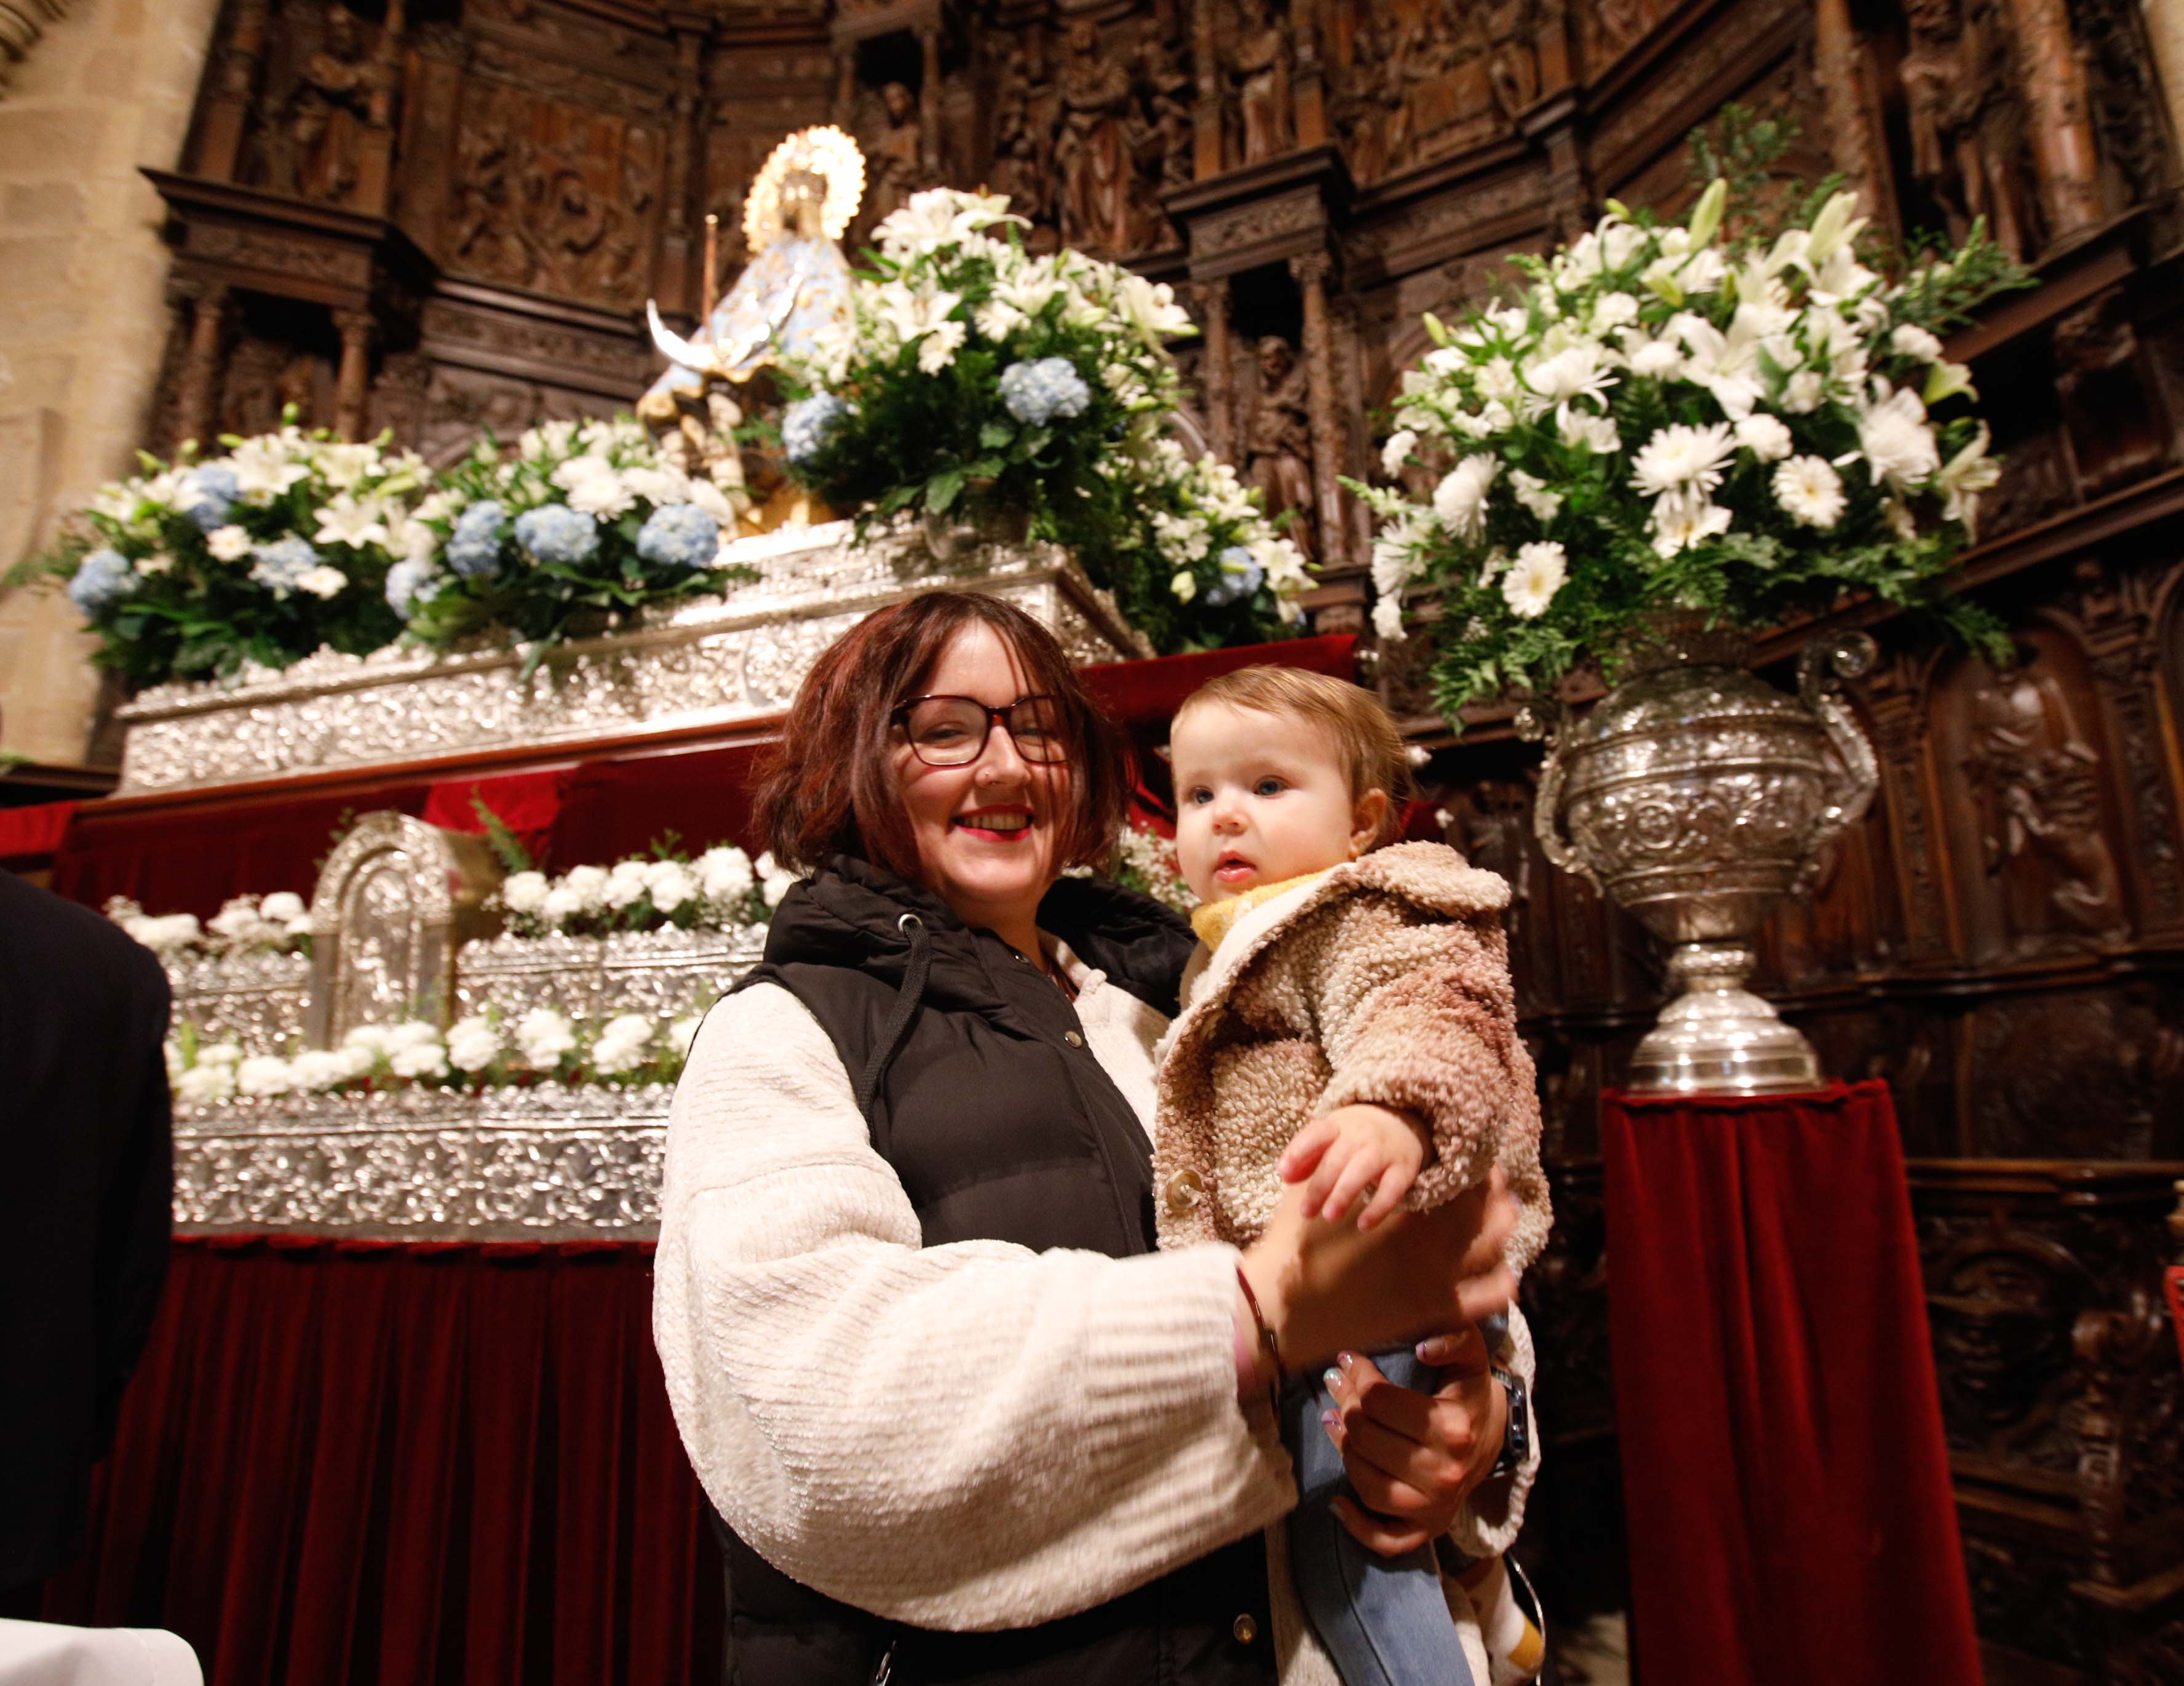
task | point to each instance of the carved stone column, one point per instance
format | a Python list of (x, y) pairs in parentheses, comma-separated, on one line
[(929, 101), (1309, 89), (1220, 398), (207, 305), (2054, 87), (1206, 114), (234, 85), (1845, 74), (353, 388), (1310, 269)]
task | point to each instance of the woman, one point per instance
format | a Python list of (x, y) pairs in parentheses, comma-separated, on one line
[(961, 1422)]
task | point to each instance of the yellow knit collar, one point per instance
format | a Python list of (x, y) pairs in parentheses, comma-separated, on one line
[(1213, 921)]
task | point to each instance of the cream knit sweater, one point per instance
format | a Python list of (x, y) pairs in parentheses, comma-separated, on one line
[(968, 1437)]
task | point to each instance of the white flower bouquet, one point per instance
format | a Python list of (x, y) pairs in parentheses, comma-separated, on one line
[(719, 890), (1215, 572), (972, 373), (260, 555), (1664, 421), (480, 1051), (277, 924), (579, 527)]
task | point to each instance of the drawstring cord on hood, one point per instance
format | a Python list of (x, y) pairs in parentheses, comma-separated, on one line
[(906, 1001)]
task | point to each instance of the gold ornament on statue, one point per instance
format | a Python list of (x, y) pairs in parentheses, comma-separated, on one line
[(824, 152)]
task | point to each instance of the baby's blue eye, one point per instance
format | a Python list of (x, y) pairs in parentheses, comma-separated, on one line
[(1269, 786), (1199, 794)]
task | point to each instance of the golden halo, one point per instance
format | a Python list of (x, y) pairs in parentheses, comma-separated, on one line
[(825, 151)]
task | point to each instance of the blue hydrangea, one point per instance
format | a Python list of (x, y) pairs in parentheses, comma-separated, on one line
[(806, 423), (102, 579), (1038, 391), (281, 564), (679, 535), (1241, 575), (474, 547), (406, 582), (554, 533), (208, 495)]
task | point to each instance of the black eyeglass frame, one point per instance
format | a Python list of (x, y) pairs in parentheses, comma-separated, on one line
[(900, 715)]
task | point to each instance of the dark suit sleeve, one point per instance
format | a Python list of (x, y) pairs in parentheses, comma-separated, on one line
[(137, 1213)]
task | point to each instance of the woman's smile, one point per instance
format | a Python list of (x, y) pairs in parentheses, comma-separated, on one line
[(1010, 824)]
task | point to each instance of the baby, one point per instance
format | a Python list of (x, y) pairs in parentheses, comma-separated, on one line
[(1348, 1022)]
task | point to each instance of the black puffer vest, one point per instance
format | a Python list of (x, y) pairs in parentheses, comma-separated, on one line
[(981, 1094)]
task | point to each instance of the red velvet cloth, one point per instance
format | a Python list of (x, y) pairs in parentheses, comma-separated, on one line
[(618, 808), (1787, 1485), (381, 1466), (177, 858), (34, 832), (528, 804), (1149, 693)]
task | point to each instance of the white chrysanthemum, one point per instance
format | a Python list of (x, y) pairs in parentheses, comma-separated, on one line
[(1578, 371), (541, 1036), (238, 920), (1894, 438), (561, 905), (997, 319), (1765, 436), (1683, 518), (1397, 451), (1613, 310), (662, 485), (281, 908), (316, 1070), (526, 891), (202, 1085), (1810, 492), (624, 1043), (937, 350), (1460, 500), (725, 875), (1497, 379), (422, 1057), (775, 880), (1659, 359), (265, 1074), (1678, 455), (670, 885), (473, 1044), (1533, 578), (627, 884), (230, 544), (595, 487), (1910, 340), (588, 884), (1532, 493), (1388, 620), (321, 581), (220, 1054)]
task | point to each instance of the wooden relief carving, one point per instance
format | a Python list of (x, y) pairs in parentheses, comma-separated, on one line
[(2072, 1075), (554, 196)]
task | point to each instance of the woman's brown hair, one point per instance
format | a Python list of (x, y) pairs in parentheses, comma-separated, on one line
[(829, 788)]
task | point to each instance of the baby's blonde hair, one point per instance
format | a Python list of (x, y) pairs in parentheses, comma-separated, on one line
[(1366, 738)]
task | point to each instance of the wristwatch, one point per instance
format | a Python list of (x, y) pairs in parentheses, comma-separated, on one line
[(1517, 1437)]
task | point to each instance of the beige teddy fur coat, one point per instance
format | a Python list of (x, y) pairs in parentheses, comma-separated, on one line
[(1385, 979)]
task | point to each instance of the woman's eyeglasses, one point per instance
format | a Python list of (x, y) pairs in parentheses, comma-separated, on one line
[(951, 732)]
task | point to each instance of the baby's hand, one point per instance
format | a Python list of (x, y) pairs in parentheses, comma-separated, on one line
[(1344, 1151)]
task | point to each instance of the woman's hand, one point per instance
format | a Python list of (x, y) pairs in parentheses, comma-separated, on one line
[(1414, 1458), (1325, 1287)]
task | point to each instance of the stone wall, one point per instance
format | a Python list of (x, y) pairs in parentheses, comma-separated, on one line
[(82, 318)]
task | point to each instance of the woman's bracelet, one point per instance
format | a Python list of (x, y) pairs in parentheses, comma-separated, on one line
[(1267, 1340)]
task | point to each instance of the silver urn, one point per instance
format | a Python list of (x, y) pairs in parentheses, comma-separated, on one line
[(1696, 796)]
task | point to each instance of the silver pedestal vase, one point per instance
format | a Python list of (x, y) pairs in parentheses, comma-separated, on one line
[(1696, 796)]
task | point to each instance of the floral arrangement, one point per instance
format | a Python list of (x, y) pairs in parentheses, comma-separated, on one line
[(721, 889), (972, 373), (1750, 428), (278, 924), (580, 527), (481, 1051), (261, 555), (1215, 570), (1144, 861)]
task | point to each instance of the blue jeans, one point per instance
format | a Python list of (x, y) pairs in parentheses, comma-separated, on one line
[(1384, 1621)]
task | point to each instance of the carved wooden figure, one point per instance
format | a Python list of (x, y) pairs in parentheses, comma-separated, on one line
[(1260, 64)]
